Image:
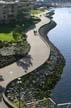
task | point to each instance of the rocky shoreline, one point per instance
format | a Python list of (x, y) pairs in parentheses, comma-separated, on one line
[(39, 83)]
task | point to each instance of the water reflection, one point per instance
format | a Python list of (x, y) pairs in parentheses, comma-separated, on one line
[(61, 37)]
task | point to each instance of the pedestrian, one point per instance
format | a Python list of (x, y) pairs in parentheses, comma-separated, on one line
[(33, 104)]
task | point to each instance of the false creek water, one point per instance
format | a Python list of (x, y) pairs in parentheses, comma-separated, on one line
[(60, 36)]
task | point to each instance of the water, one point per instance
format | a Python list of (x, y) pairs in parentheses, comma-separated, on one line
[(61, 37)]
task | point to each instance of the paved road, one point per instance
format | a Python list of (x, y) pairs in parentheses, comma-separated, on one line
[(3, 105), (38, 54)]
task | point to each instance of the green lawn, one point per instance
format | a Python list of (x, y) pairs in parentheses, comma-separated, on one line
[(6, 32), (17, 104), (36, 11), (6, 36)]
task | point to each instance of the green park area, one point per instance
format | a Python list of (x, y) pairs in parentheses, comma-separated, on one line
[(37, 11), (6, 31), (13, 40), (6, 37)]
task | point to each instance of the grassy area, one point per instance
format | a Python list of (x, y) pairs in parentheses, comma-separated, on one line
[(36, 11), (6, 37), (7, 30), (17, 104)]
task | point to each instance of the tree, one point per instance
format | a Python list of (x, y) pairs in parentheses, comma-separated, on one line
[(17, 33)]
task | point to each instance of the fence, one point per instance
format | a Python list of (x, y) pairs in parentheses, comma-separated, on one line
[(47, 103), (64, 105)]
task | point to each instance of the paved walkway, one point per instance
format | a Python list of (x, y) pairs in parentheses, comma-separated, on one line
[(37, 56)]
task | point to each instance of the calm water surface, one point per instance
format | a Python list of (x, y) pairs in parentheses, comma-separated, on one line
[(61, 37)]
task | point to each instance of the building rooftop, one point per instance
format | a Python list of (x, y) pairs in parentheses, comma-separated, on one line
[(8, 2)]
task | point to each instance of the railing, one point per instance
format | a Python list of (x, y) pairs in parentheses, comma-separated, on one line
[(52, 104), (44, 103), (64, 105), (47, 103)]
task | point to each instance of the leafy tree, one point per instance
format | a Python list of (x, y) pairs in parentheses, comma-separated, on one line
[(17, 33)]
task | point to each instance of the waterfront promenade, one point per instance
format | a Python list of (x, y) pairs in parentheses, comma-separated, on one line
[(37, 56)]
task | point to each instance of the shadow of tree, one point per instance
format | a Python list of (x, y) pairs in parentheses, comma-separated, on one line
[(6, 28), (30, 28), (9, 28), (2, 89), (28, 24), (1, 78), (25, 62)]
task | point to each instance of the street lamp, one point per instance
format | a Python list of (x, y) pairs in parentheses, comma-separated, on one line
[(19, 82), (22, 25)]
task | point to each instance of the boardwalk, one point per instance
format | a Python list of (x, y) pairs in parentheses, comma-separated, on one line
[(38, 54)]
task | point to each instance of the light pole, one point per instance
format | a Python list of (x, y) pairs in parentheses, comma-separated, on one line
[(22, 25), (19, 82)]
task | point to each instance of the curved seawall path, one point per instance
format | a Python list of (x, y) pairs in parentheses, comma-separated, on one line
[(54, 65), (37, 56)]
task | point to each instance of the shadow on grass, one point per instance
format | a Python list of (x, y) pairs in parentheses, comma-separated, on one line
[(28, 24), (4, 28)]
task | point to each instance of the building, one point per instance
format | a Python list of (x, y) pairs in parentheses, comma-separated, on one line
[(9, 9), (59, 2)]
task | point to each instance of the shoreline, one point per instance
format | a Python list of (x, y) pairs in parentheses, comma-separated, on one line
[(44, 32), (36, 76)]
